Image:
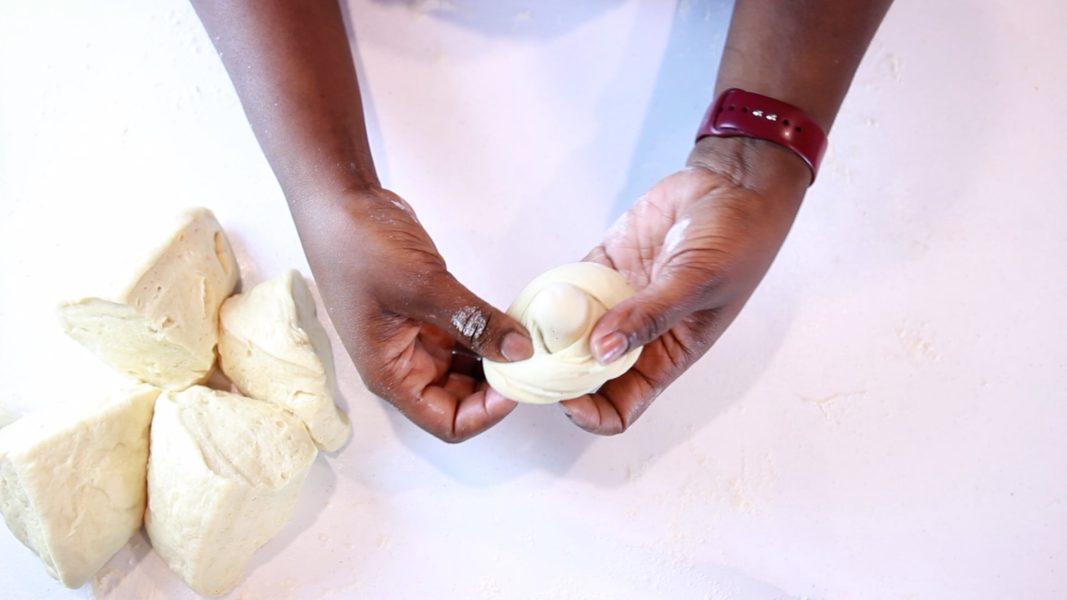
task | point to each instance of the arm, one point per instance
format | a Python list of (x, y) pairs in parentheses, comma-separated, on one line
[(396, 307), (804, 52), (697, 245), (292, 67)]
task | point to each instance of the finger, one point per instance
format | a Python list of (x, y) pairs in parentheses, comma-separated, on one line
[(599, 256), (485, 330), (455, 419), (467, 363), (645, 316), (438, 345), (616, 405)]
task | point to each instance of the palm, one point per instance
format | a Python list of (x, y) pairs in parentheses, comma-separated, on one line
[(698, 232), (416, 360)]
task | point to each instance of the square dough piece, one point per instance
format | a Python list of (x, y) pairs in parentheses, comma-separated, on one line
[(224, 475), (157, 318), (72, 481), (273, 348)]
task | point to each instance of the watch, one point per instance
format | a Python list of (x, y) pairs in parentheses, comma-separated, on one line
[(738, 113)]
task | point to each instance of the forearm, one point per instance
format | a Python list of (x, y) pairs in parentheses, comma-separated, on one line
[(291, 64), (803, 52)]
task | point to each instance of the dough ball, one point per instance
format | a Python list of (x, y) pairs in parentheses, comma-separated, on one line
[(560, 309), (561, 313)]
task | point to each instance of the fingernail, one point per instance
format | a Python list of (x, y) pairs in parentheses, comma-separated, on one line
[(516, 347), (609, 347)]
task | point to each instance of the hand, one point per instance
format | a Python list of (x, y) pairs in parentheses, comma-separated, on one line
[(694, 247), (400, 313)]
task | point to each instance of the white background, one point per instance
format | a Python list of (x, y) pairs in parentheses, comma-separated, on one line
[(885, 420)]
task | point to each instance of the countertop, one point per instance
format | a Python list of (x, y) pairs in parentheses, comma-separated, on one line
[(886, 418)]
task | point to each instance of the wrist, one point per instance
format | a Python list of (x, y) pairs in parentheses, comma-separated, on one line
[(802, 93), (332, 196), (333, 168), (755, 164)]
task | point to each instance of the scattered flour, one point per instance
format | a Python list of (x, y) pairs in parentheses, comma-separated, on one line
[(489, 586), (916, 343), (675, 235), (896, 67), (425, 7), (833, 405)]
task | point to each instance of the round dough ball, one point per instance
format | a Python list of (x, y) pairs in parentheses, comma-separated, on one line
[(559, 309)]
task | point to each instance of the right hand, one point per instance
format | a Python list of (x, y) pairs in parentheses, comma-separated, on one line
[(400, 313)]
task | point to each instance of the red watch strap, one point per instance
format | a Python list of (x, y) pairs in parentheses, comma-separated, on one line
[(737, 113)]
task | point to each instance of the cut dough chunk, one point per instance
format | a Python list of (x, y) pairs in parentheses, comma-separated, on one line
[(160, 324), (224, 474), (72, 481), (272, 347), (560, 308)]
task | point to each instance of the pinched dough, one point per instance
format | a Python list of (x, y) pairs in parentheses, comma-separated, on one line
[(559, 309)]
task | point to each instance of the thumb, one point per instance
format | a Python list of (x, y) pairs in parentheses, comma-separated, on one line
[(477, 325), (643, 317)]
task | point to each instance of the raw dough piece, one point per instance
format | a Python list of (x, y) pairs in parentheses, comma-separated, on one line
[(223, 476), (158, 321), (72, 481), (559, 309), (273, 348)]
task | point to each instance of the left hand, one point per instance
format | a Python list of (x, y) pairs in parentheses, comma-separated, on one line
[(694, 247)]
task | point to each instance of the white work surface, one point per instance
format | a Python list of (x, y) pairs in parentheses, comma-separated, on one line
[(886, 419)]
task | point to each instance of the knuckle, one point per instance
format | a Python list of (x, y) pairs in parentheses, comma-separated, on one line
[(612, 429), (451, 436), (417, 288), (704, 278), (375, 374), (611, 421), (385, 387), (375, 386), (651, 322)]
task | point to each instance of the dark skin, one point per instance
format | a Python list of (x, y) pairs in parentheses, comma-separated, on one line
[(739, 195), (388, 291)]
